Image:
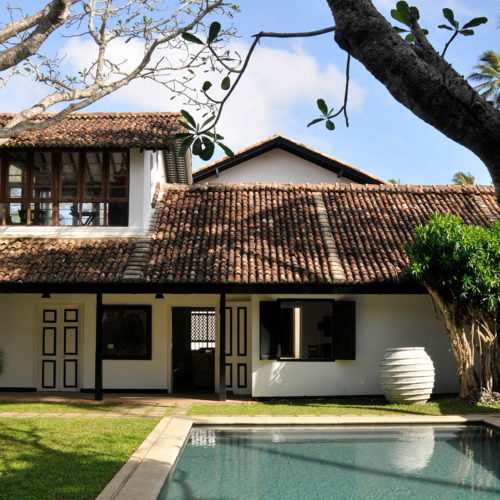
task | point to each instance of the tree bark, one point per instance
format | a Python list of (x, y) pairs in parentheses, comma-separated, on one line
[(420, 79)]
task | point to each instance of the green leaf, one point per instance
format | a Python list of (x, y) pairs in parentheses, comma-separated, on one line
[(475, 22), (445, 26), (450, 16), (466, 32), (197, 147), (409, 37), (207, 121), (189, 37), (226, 149), (207, 149), (322, 106), (206, 86), (317, 120), (226, 83), (400, 13), (188, 117), (186, 125), (175, 137), (415, 13), (213, 32), (186, 144), (330, 125), (401, 30)]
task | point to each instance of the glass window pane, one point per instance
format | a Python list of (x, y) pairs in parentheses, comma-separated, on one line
[(16, 213), (42, 175), (118, 175), (93, 175), (307, 329), (41, 214), (69, 175), (17, 175), (93, 214), (68, 214), (118, 214)]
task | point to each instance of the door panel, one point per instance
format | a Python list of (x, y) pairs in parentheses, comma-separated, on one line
[(59, 348), (238, 348)]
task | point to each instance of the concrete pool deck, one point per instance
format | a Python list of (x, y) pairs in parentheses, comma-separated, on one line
[(147, 469)]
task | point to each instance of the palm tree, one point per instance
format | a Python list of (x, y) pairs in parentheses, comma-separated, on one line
[(395, 181), (489, 75), (463, 178)]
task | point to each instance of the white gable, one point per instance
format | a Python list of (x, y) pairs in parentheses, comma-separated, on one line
[(276, 165)]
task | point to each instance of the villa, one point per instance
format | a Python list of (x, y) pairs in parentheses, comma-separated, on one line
[(277, 272)]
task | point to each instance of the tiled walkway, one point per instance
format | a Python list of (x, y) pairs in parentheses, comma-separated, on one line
[(128, 405)]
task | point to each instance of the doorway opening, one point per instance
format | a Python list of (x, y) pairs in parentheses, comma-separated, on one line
[(193, 349)]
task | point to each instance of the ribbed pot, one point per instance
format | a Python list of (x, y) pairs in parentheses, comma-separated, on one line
[(407, 375)]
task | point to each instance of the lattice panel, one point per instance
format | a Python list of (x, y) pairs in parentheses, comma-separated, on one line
[(202, 329)]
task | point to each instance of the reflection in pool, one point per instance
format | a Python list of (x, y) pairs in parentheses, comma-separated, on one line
[(388, 462)]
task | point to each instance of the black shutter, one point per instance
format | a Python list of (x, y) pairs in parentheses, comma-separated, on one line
[(269, 329), (344, 330)]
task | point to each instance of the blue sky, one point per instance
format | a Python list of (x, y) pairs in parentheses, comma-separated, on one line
[(279, 91)]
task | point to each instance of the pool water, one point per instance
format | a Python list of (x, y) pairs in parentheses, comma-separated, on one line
[(389, 462)]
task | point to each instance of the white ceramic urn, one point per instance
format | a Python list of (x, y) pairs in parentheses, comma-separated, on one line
[(407, 375)]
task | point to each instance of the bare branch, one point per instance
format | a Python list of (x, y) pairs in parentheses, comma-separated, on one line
[(56, 15)]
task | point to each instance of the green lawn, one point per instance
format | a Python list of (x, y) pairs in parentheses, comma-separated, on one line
[(344, 406), (56, 458), (56, 407)]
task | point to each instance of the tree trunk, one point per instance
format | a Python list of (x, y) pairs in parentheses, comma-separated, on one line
[(462, 344), (464, 354), (420, 79)]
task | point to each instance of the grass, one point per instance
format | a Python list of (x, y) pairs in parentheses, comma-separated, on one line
[(54, 458), (344, 406), (56, 407)]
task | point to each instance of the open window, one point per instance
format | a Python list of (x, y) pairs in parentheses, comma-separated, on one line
[(126, 332), (307, 330)]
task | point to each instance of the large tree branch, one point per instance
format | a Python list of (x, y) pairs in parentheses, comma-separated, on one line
[(421, 80), (46, 21)]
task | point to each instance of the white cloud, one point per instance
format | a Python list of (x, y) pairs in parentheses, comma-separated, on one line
[(275, 86)]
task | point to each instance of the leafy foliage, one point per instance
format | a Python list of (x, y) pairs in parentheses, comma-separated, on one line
[(409, 16), (488, 74), (202, 140), (453, 25), (463, 178), (328, 114), (461, 262), (405, 15)]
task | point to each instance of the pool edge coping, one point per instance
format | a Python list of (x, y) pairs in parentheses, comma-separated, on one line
[(150, 465)]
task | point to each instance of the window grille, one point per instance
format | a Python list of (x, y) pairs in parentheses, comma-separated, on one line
[(202, 329)]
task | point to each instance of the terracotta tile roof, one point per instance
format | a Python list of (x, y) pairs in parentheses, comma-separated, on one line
[(257, 234), (278, 141), (26, 260), (99, 130), (272, 233)]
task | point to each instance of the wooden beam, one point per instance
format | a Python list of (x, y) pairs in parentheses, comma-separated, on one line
[(98, 348), (222, 347)]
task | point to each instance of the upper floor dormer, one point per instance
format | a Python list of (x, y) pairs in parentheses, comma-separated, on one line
[(90, 174), (283, 160)]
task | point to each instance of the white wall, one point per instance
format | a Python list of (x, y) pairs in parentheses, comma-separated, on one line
[(277, 166), (382, 321), (17, 338)]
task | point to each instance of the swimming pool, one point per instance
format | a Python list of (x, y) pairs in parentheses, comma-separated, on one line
[(384, 462)]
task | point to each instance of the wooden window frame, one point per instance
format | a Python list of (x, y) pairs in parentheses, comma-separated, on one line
[(56, 197), (146, 311), (343, 330)]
